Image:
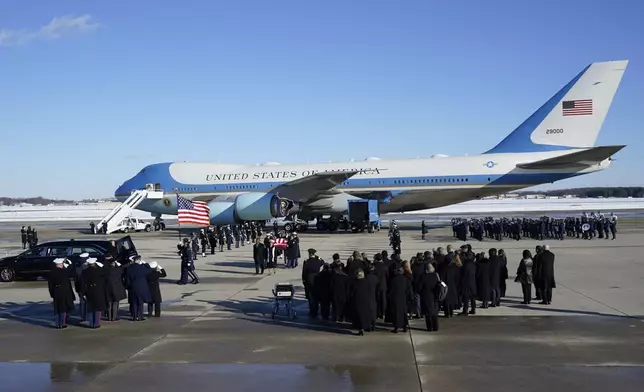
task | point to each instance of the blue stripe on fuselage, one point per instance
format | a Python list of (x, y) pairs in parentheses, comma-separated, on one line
[(402, 183)]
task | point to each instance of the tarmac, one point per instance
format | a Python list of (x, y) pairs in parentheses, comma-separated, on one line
[(219, 334)]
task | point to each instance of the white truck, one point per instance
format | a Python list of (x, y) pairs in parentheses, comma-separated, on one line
[(133, 224)]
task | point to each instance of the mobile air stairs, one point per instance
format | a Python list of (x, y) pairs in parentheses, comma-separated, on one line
[(124, 210)]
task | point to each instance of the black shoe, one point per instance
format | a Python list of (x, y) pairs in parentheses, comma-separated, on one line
[(361, 333), (395, 331)]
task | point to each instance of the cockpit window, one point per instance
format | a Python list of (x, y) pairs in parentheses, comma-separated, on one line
[(142, 171)]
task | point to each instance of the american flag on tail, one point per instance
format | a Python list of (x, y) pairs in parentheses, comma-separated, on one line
[(193, 212), (579, 107)]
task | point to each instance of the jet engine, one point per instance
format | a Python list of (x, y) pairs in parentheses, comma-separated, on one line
[(250, 206)]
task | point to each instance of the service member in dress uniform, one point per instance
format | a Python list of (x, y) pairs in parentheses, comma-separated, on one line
[(78, 285), (23, 237), (137, 284), (93, 278), (114, 288), (155, 291), (60, 291), (212, 239)]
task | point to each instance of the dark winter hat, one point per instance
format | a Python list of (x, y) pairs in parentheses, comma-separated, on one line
[(312, 251)]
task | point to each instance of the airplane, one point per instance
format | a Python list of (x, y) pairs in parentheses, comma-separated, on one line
[(556, 142)]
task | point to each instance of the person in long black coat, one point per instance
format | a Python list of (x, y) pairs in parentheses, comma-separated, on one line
[(483, 279), (310, 269), (380, 271), (361, 302), (400, 292), (452, 276), (428, 289), (60, 291), (547, 259), (339, 292), (495, 278), (504, 272), (292, 252), (114, 288), (524, 276), (322, 291), (93, 280), (374, 282), (468, 283), (137, 285), (417, 269), (155, 291), (536, 273), (259, 256)]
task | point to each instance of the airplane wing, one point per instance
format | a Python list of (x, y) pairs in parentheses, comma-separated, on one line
[(307, 187), (589, 157)]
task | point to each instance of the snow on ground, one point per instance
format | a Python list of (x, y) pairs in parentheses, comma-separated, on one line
[(95, 212)]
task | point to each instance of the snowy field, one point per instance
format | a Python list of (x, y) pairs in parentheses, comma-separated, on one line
[(95, 212)]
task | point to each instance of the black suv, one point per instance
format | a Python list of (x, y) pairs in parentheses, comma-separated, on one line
[(39, 260)]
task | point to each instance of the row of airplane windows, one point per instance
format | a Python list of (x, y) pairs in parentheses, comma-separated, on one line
[(422, 181)]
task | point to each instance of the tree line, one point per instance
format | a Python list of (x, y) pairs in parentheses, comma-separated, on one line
[(633, 191)]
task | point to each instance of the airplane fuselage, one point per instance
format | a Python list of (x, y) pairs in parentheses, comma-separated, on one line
[(400, 185)]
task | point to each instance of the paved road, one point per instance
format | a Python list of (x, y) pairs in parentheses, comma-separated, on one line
[(219, 334)]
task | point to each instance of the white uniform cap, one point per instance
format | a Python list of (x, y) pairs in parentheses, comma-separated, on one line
[(154, 265), (59, 261), (91, 260), (84, 255)]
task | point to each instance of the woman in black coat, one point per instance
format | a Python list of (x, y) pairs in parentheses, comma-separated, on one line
[(428, 289), (93, 279), (400, 292), (339, 292), (60, 291), (468, 283), (525, 277), (374, 283), (114, 288), (483, 287), (360, 299), (451, 277), (504, 271), (155, 291)]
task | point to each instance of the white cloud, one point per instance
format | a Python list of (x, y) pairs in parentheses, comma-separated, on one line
[(59, 27)]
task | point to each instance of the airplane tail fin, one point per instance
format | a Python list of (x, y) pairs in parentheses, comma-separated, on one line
[(573, 117)]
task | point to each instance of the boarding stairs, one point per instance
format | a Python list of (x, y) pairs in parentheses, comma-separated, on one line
[(124, 210)]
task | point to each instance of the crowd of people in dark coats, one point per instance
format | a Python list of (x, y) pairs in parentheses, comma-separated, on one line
[(363, 291), (100, 287)]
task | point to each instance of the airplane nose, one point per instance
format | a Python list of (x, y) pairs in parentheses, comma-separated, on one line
[(119, 193)]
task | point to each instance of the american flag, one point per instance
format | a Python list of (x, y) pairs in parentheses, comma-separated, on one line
[(193, 212), (280, 243), (580, 107)]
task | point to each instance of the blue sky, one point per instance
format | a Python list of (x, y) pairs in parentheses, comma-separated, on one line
[(93, 91)]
